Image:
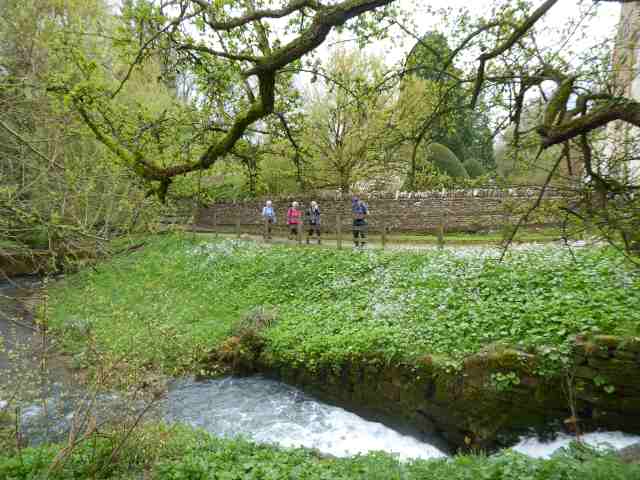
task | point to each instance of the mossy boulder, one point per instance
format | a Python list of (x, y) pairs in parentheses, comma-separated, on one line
[(630, 454)]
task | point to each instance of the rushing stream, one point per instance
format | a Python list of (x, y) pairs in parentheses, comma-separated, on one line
[(15, 323), (272, 412), (256, 408)]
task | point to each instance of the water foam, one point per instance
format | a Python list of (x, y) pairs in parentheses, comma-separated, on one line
[(536, 448), (267, 411)]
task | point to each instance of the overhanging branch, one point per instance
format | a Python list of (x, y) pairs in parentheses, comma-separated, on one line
[(266, 69), (515, 36), (622, 109), (256, 15)]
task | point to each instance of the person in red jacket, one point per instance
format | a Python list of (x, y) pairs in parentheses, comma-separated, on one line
[(294, 220)]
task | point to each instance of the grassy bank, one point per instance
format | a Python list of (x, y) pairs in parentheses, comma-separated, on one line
[(167, 305), (179, 453)]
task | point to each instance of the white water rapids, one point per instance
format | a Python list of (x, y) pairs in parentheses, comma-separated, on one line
[(533, 447), (268, 411)]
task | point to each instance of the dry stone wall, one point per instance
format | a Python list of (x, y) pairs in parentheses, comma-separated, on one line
[(462, 210)]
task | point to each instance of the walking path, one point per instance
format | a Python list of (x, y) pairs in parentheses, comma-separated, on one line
[(376, 244)]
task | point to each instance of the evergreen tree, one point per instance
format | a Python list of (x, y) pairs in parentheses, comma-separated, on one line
[(446, 161), (462, 130)]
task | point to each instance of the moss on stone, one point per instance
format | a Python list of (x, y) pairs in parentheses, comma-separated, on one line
[(610, 341), (630, 344)]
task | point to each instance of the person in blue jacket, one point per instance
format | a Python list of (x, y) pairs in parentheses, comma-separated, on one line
[(269, 217), (360, 212)]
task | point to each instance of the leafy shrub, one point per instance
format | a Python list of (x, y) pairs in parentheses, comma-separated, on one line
[(503, 382), (474, 168), (446, 161), (241, 350)]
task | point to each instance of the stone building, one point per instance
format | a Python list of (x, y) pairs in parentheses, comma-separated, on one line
[(625, 140), (626, 59)]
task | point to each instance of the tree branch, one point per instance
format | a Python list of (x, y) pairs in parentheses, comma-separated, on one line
[(617, 109), (266, 68), (27, 144), (218, 53), (313, 36), (256, 15), (515, 36)]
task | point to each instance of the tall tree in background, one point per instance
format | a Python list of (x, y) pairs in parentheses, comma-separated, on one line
[(580, 99), (347, 122), (463, 130)]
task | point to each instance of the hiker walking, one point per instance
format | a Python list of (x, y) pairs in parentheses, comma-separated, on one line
[(313, 221), (269, 217), (360, 211), (294, 219)]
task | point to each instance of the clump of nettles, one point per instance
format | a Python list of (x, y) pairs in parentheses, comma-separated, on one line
[(242, 349)]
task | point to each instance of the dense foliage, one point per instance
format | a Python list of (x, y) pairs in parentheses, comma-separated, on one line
[(60, 189), (329, 305), (179, 453), (464, 131), (473, 167), (142, 94)]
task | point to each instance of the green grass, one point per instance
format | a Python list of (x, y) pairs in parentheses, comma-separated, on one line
[(179, 453), (169, 304), (150, 305), (463, 238)]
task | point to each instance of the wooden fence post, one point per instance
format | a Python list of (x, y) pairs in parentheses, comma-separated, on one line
[(194, 214), (441, 228), (339, 231), (384, 234), (215, 223), (299, 233), (238, 226)]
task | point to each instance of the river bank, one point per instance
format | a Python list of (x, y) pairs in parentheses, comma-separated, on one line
[(166, 452), (264, 319), (455, 335)]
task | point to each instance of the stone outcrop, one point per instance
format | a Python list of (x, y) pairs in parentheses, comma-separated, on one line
[(607, 378), (630, 454)]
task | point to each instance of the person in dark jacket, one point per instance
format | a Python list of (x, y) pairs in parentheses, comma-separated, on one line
[(360, 212), (313, 221)]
